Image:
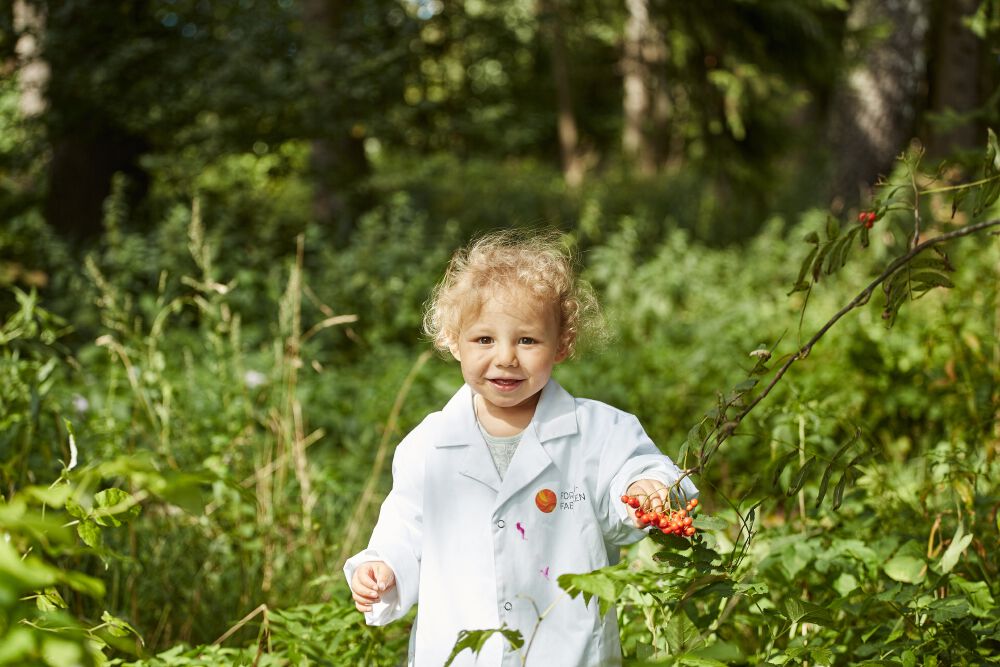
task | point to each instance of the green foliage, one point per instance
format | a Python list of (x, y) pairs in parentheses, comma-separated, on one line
[(475, 640)]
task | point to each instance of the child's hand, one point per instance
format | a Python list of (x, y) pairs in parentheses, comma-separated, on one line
[(370, 581), (651, 493)]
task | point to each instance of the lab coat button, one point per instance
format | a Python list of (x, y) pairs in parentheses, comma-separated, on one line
[(508, 606), (500, 523)]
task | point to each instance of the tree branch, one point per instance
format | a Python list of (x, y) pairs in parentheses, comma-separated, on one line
[(859, 300)]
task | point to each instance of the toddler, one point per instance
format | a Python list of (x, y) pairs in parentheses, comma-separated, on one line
[(514, 482)]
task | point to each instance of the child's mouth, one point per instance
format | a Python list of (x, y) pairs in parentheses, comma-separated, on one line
[(505, 384)]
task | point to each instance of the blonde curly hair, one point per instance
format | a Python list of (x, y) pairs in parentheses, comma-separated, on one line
[(500, 262)]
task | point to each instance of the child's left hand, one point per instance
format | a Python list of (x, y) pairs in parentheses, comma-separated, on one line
[(652, 493)]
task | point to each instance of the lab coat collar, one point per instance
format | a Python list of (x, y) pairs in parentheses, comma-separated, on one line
[(555, 416)]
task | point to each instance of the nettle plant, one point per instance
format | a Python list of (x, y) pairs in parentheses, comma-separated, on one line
[(812, 597)]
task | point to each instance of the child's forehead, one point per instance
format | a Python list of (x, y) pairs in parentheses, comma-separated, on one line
[(520, 302)]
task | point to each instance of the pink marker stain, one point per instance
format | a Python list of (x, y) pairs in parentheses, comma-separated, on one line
[(520, 529), (545, 572)]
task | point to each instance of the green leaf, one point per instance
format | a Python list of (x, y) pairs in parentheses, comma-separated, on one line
[(925, 280), (959, 543), (83, 583), (801, 283), (829, 469), (817, 268), (475, 640), (90, 533), (599, 583), (800, 476), (23, 575), (696, 661), (779, 466), (53, 496), (906, 569), (118, 627), (832, 227), (708, 522), (989, 192), (803, 611), (680, 633), (113, 506)]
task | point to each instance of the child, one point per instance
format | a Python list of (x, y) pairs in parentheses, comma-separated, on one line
[(514, 482)]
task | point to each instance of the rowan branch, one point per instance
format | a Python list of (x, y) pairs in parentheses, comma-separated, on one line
[(724, 428)]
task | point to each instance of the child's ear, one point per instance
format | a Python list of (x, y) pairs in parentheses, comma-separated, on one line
[(563, 353)]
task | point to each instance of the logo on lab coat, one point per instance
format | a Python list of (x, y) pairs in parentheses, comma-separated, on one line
[(546, 500)]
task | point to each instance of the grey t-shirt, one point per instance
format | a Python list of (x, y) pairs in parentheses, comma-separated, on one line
[(501, 449)]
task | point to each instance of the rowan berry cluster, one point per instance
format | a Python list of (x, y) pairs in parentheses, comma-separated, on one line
[(668, 520), (867, 218)]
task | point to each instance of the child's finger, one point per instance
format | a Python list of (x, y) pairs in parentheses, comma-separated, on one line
[(366, 596)]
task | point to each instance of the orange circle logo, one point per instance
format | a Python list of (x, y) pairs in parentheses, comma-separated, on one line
[(546, 500)]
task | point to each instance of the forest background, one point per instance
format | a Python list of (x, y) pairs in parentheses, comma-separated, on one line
[(221, 219)]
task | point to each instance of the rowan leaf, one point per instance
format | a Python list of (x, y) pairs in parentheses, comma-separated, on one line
[(475, 640), (779, 466), (800, 476)]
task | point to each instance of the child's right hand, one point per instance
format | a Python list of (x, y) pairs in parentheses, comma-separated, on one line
[(370, 581)]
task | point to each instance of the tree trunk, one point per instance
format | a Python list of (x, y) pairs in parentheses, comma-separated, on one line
[(635, 99), (955, 78), (338, 162), (647, 107), (87, 148), (33, 75), (569, 141), (875, 108)]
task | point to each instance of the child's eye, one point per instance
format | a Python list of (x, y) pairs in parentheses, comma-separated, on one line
[(484, 340), (526, 341)]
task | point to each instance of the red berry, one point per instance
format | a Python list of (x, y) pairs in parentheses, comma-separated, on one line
[(634, 502), (871, 216), (693, 503), (689, 531), (626, 498), (861, 216)]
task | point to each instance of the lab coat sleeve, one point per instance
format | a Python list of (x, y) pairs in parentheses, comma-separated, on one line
[(630, 456), (396, 539)]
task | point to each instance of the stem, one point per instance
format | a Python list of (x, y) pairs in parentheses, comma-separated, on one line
[(723, 430), (860, 300), (962, 186), (916, 209)]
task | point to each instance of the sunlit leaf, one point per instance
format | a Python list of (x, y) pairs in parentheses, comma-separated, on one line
[(906, 569), (959, 543)]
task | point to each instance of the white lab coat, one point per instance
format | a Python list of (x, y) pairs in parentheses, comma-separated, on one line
[(478, 553)]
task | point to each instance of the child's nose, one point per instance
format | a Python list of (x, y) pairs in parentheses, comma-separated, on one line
[(506, 355)]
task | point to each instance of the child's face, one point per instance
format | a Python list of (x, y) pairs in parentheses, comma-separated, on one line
[(507, 351)]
